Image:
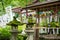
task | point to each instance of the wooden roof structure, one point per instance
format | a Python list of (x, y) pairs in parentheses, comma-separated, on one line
[(17, 10), (43, 4), (38, 6)]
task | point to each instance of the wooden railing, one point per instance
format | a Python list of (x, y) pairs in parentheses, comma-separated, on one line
[(48, 30)]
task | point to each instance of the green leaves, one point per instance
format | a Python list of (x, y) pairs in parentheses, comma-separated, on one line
[(20, 3), (4, 34), (15, 3)]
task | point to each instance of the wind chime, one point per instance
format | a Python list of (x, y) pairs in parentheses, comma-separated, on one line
[(47, 15), (43, 15), (58, 14), (53, 14)]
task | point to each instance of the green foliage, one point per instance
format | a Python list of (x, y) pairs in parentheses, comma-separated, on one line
[(21, 27), (16, 2), (22, 37), (0, 0), (53, 24), (4, 34), (59, 12)]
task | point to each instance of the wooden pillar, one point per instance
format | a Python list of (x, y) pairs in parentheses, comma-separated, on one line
[(26, 12), (36, 33), (20, 15)]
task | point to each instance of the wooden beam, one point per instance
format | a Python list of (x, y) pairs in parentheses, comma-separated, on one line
[(43, 5)]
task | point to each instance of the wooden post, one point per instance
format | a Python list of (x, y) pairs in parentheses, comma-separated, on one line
[(26, 13), (57, 30), (20, 14), (36, 33)]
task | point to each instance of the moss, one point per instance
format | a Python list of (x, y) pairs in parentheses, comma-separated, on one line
[(15, 22)]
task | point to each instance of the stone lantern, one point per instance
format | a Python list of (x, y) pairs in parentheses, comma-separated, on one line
[(29, 28), (14, 28)]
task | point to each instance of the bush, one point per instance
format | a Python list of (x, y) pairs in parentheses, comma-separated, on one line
[(22, 37), (4, 34)]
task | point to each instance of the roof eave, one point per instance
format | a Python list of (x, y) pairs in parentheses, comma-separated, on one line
[(42, 5)]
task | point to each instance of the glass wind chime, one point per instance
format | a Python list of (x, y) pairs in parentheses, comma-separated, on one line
[(51, 16), (54, 16)]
